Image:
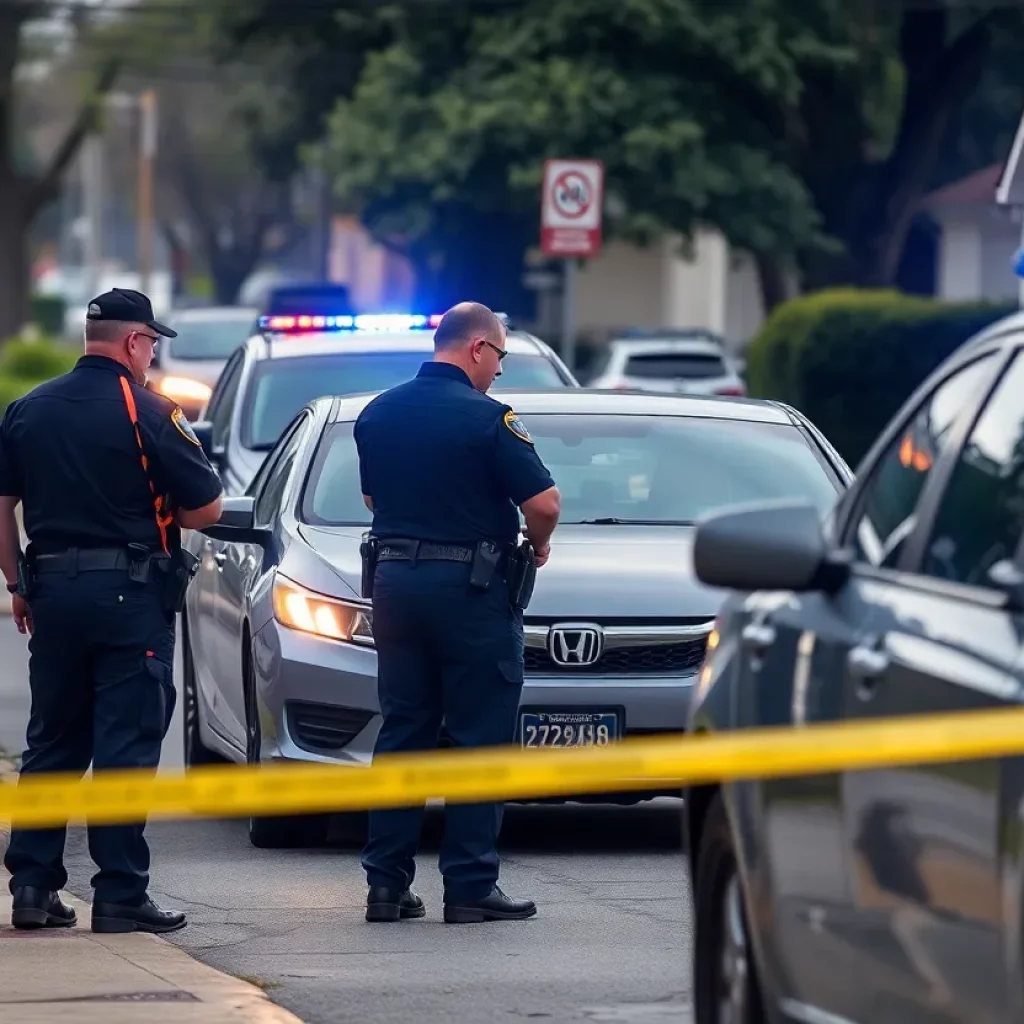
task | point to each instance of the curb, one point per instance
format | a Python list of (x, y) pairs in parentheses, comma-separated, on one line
[(171, 963), (176, 966)]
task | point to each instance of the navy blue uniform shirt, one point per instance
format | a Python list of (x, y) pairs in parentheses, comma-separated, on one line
[(68, 450), (445, 463)]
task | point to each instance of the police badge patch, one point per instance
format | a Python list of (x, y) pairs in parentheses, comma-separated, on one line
[(184, 427), (515, 424)]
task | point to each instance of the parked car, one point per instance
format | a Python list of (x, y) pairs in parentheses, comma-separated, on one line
[(297, 358), (187, 367), (278, 644), (685, 362), (889, 896)]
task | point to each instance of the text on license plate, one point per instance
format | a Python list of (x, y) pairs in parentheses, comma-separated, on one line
[(568, 728)]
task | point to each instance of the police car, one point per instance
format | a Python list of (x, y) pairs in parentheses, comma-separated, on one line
[(296, 358)]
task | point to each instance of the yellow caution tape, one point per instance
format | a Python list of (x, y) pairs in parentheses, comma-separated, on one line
[(116, 797)]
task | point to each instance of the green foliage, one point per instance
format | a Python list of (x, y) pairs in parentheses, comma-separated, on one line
[(848, 359), (47, 313), (35, 361)]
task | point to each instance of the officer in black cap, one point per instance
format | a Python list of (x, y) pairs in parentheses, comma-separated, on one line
[(443, 468), (108, 473)]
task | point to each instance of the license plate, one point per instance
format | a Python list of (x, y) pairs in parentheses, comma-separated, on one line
[(568, 728)]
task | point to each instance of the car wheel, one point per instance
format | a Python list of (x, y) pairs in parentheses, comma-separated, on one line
[(725, 982), (275, 832), (195, 752)]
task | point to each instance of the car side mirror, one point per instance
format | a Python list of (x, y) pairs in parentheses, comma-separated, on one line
[(237, 523), (1007, 576), (773, 546)]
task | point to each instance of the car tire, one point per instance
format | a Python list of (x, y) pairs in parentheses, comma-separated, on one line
[(195, 753), (726, 987), (275, 832)]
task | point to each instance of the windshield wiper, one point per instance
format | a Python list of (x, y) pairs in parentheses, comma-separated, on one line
[(614, 521)]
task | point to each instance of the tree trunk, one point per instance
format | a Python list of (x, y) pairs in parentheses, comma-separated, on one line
[(229, 269), (772, 279), (14, 266)]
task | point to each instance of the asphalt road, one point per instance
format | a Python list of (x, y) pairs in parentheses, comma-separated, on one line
[(611, 942)]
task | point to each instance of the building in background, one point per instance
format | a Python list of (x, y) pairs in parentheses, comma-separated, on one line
[(978, 238)]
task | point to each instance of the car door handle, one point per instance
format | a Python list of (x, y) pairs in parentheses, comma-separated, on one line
[(758, 636), (220, 558)]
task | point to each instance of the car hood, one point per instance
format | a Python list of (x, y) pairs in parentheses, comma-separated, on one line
[(635, 572), (207, 371)]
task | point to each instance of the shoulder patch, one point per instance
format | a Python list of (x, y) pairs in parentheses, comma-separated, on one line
[(515, 424), (183, 426)]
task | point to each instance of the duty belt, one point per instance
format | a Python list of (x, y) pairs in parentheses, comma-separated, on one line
[(82, 560), (414, 550)]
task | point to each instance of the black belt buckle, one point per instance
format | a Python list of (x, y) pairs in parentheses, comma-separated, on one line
[(138, 563)]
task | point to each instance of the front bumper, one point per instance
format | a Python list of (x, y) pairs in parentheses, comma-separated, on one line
[(318, 702)]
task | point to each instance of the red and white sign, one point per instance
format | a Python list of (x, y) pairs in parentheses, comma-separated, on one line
[(571, 208)]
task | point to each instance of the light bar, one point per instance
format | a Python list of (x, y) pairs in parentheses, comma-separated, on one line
[(368, 322)]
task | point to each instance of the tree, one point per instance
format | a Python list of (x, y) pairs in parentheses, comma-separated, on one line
[(451, 123), (25, 192), (807, 132)]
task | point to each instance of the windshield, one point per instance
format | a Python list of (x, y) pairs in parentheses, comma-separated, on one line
[(672, 366), (282, 387), (209, 339), (642, 469)]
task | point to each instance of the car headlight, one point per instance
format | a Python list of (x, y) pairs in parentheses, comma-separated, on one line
[(304, 610), (184, 389), (707, 669)]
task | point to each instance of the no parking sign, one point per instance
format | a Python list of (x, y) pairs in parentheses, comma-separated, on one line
[(571, 208)]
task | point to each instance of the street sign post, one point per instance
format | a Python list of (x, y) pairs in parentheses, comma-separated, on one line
[(571, 221)]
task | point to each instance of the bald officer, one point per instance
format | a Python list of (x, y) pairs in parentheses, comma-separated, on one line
[(444, 468), (107, 474)]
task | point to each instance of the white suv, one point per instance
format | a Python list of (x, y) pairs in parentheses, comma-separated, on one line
[(685, 362)]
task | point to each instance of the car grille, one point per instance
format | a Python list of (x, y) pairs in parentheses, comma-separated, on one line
[(652, 659), (324, 728)]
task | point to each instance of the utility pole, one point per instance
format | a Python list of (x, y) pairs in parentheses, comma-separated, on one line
[(92, 208), (147, 155)]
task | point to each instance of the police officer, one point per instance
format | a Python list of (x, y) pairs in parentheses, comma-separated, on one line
[(107, 473), (443, 467)]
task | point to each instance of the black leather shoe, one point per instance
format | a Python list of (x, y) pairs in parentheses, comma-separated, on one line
[(383, 904), (496, 907), (40, 908), (116, 918)]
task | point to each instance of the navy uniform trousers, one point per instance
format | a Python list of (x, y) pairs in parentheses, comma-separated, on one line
[(444, 653), (101, 678)]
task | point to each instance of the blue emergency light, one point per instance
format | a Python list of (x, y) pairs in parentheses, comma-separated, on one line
[(360, 323)]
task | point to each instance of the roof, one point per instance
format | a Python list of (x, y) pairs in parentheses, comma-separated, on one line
[(1010, 190), (285, 347), (977, 189), (592, 402)]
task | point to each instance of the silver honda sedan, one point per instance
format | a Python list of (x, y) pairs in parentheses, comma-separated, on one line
[(278, 644)]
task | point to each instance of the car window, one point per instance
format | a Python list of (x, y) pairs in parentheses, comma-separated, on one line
[(980, 518), (222, 406), (887, 508), (270, 490), (280, 388), (670, 366), (209, 339), (645, 469)]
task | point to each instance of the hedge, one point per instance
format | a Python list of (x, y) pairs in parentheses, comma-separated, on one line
[(25, 364), (848, 359)]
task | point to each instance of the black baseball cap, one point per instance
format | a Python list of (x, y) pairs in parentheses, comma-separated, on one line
[(129, 305)]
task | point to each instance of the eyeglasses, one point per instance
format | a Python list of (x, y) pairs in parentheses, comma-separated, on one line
[(501, 352)]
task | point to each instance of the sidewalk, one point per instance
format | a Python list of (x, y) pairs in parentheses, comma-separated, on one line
[(114, 979)]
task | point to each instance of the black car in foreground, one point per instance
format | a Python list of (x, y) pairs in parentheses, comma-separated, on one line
[(887, 896)]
